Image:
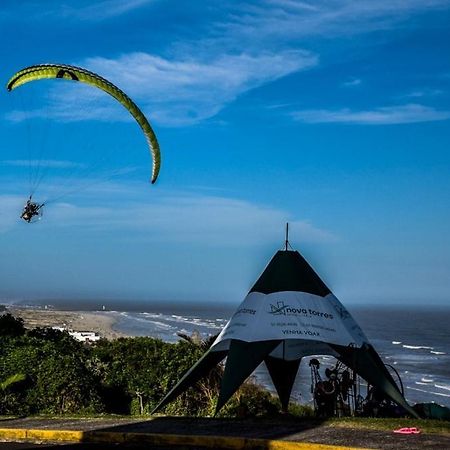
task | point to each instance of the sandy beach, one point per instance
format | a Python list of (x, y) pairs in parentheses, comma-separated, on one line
[(100, 323)]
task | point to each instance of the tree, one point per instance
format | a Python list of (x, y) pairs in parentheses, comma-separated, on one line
[(11, 326)]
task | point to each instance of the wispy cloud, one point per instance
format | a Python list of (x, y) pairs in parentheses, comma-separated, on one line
[(11, 208), (197, 77), (50, 163), (410, 113), (172, 217), (107, 8), (95, 11), (172, 92), (192, 219), (287, 19), (85, 10), (424, 93), (352, 82)]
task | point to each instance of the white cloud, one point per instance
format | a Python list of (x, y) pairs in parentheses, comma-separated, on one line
[(50, 163), (11, 208), (85, 10), (191, 218), (176, 92), (201, 76), (352, 82), (198, 77), (179, 217), (410, 113), (96, 11), (424, 93), (109, 8), (287, 19)]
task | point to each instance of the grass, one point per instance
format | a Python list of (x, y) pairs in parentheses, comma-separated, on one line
[(389, 424)]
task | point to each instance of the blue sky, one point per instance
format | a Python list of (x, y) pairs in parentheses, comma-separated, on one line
[(331, 115)]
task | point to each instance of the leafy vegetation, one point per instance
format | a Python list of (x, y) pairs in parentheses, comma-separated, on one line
[(46, 371)]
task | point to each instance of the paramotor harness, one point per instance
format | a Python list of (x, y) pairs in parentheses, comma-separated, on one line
[(31, 211)]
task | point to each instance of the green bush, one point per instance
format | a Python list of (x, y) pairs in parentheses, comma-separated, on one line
[(251, 400), (298, 410), (58, 380), (11, 326), (124, 376)]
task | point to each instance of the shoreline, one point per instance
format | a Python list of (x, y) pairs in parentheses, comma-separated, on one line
[(99, 322)]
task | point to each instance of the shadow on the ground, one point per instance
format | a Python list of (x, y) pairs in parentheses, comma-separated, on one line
[(163, 433), (8, 419), (258, 428)]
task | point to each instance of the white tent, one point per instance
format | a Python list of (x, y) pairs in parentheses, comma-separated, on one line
[(287, 315)]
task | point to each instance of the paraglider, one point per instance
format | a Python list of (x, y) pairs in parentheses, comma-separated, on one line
[(73, 73), (31, 211)]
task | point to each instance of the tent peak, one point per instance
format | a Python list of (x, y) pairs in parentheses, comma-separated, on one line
[(287, 244)]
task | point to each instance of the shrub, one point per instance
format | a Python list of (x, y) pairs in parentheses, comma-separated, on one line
[(251, 400)]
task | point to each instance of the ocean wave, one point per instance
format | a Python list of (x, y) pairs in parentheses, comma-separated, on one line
[(428, 392), (443, 386), (176, 319), (437, 353), (427, 380), (417, 347), (162, 325), (149, 314), (396, 342)]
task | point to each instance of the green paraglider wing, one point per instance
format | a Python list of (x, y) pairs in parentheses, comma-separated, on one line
[(45, 71)]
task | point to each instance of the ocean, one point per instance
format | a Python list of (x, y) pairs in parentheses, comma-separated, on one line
[(414, 341)]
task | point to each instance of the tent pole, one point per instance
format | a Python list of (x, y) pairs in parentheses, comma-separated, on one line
[(286, 242)]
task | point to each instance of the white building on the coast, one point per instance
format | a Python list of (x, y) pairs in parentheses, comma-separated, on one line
[(82, 336)]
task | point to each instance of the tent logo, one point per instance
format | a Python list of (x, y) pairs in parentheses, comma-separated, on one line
[(286, 310), (245, 311)]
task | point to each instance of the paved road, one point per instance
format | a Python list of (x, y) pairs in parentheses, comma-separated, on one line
[(49, 446), (286, 429)]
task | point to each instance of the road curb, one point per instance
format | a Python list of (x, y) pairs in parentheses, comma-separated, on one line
[(215, 442)]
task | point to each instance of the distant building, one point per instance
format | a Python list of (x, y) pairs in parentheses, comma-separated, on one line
[(82, 336)]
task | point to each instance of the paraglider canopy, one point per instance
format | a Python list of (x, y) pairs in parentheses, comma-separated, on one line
[(73, 73)]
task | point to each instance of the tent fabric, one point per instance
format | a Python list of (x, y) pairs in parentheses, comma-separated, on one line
[(291, 350), (433, 411), (282, 274), (200, 369), (247, 356), (282, 373), (368, 365), (289, 313), (290, 302)]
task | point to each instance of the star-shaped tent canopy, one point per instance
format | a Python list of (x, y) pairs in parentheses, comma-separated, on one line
[(288, 314)]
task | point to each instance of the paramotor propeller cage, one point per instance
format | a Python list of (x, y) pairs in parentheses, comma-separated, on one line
[(32, 212)]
